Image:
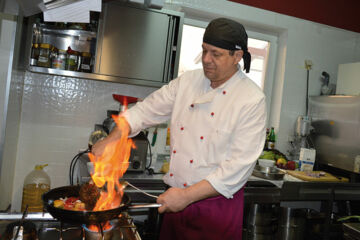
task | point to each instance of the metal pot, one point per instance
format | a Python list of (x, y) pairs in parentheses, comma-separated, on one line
[(292, 224)]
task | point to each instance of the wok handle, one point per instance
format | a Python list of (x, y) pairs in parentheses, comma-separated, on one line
[(148, 205)]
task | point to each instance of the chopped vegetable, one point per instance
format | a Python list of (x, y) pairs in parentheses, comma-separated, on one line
[(70, 203)]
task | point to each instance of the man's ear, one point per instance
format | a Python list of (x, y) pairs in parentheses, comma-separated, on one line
[(239, 54)]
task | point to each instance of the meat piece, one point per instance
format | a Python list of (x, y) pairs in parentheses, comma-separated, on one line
[(89, 194)]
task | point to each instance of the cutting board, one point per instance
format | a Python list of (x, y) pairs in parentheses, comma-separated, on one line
[(307, 176)]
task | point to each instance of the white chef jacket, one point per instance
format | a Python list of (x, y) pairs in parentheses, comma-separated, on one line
[(216, 134)]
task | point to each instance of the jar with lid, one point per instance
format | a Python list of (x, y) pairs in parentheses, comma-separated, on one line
[(34, 54), (86, 65), (36, 183), (44, 55), (72, 60), (59, 59)]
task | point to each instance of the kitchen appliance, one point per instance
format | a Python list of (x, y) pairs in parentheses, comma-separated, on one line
[(336, 133), (79, 169), (48, 228)]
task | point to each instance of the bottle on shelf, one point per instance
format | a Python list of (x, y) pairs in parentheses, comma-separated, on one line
[(35, 51), (266, 139), (44, 55), (272, 139), (167, 143)]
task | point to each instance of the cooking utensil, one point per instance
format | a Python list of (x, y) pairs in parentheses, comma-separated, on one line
[(85, 217), (126, 183)]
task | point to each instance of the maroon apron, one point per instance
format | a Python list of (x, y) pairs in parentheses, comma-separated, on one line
[(213, 218)]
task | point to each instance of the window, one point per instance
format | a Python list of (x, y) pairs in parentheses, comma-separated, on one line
[(190, 55)]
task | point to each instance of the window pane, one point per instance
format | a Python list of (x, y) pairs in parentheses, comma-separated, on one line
[(190, 55)]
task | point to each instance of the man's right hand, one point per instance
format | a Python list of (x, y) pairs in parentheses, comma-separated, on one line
[(98, 148)]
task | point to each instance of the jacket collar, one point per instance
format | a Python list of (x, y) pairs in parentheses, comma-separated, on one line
[(209, 95)]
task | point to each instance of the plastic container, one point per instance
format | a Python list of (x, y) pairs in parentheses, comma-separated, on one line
[(36, 183)]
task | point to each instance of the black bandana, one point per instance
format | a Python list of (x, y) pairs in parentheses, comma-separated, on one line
[(228, 34)]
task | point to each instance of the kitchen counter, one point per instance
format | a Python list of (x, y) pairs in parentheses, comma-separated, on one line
[(262, 190), (265, 191)]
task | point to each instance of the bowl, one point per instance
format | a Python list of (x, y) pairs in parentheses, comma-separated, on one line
[(271, 173), (266, 162)]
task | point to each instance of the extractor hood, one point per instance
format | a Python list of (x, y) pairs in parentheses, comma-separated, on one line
[(31, 7)]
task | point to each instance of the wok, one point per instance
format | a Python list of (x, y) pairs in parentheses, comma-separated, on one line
[(84, 217)]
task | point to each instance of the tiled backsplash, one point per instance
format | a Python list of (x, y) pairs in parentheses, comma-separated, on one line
[(57, 116)]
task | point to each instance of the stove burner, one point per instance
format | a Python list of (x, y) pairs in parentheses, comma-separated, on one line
[(95, 235)]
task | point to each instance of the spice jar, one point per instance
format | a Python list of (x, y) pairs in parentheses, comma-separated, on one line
[(44, 55), (35, 51), (86, 62), (59, 59), (72, 60)]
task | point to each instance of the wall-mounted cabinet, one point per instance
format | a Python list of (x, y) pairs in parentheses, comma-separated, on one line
[(123, 44)]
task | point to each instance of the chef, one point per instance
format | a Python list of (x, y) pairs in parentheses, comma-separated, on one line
[(217, 117)]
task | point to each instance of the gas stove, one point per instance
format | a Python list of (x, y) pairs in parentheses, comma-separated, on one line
[(41, 226)]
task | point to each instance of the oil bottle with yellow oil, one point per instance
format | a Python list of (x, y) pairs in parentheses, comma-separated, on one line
[(36, 183)]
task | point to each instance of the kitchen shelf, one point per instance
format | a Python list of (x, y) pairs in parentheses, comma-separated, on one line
[(94, 76), (68, 32)]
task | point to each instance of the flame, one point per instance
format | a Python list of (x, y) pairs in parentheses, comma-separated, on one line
[(111, 166), (96, 228)]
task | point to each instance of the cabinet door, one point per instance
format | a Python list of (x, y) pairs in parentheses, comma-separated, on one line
[(134, 43)]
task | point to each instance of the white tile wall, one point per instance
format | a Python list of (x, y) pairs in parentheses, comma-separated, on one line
[(57, 116)]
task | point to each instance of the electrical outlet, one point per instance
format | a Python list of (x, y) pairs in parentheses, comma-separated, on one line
[(308, 64)]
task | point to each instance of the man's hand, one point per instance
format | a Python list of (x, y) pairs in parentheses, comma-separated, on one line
[(176, 199), (98, 148), (173, 200)]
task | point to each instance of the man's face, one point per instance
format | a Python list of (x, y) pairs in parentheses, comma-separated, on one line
[(218, 64)]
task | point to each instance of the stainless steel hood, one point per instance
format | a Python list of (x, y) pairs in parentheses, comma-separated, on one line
[(31, 7)]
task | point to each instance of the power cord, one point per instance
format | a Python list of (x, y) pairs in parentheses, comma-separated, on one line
[(73, 164), (150, 160)]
